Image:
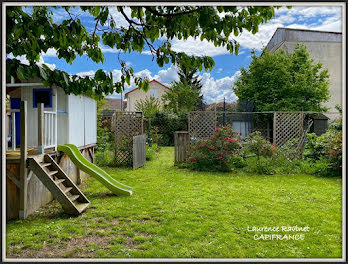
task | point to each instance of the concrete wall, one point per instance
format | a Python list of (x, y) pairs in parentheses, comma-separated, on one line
[(38, 194), (137, 95), (330, 55)]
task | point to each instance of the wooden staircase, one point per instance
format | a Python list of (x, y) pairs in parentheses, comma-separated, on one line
[(59, 184)]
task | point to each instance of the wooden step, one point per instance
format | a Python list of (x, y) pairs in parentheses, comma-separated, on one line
[(74, 197), (51, 173), (67, 189), (81, 207), (45, 164), (60, 185), (59, 181)]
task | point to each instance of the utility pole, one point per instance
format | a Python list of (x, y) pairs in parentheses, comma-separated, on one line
[(223, 115), (121, 102)]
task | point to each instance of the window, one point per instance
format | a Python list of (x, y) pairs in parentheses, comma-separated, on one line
[(153, 92), (42, 96), (242, 127)]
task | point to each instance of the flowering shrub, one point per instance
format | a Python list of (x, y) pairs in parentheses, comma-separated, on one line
[(326, 150), (258, 145), (218, 152)]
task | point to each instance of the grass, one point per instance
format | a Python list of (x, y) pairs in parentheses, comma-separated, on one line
[(177, 213)]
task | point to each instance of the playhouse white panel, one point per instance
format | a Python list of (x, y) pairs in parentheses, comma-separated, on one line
[(32, 124), (76, 120), (62, 113), (90, 120)]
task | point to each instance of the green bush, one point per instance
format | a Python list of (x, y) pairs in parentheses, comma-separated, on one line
[(216, 153), (151, 151), (105, 158), (164, 125), (260, 165), (104, 150), (258, 145)]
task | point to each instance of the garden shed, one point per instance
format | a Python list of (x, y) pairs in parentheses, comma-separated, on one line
[(320, 123)]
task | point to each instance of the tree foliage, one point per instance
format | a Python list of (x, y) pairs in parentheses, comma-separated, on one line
[(149, 106), (280, 81), (150, 28), (188, 76), (181, 98)]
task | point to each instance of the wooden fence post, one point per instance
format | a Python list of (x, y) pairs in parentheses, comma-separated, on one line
[(275, 128), (40, 120), (23, 165), (181, 145)]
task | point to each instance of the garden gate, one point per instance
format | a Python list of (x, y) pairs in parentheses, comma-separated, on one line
[(139, 155), (126, 126)]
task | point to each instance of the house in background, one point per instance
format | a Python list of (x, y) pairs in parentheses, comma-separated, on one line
[(156, 90), (324, 47), (111, 105)]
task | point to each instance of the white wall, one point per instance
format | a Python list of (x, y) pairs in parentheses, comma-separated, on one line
[(82, 120), (77, 117), (62, 113), (137, 95), (90, 120), (76, 120)]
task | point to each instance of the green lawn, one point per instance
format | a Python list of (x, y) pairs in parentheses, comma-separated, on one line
[(177, 213)]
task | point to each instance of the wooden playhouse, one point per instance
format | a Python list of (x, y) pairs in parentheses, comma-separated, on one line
[(38, 119)]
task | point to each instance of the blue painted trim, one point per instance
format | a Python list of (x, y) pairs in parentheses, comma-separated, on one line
[(62, 111), (42, 90)]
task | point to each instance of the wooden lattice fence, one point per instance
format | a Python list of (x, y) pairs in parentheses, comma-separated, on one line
[(287, 126), (126, 125), (201, 124)]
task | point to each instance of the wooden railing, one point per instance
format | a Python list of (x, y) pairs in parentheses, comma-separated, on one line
[(50, 129), (47, 129), (12, 130)]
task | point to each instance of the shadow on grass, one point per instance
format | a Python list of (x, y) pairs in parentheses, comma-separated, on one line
[(100, 195)]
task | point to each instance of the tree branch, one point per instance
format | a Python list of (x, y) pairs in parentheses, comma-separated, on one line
[(155, 12)]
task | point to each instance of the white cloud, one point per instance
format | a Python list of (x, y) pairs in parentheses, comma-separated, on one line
[(84, 74), (197, 47), (116, 75), (24, 60), (50, 53), (118, 17), (107, 49), (330, 20), (168, 75), (144, 74), (215, 90)]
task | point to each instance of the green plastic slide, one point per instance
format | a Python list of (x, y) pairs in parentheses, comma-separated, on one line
[(83, 164)]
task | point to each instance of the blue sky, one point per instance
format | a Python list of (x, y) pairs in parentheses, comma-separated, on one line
[(217, 83)]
